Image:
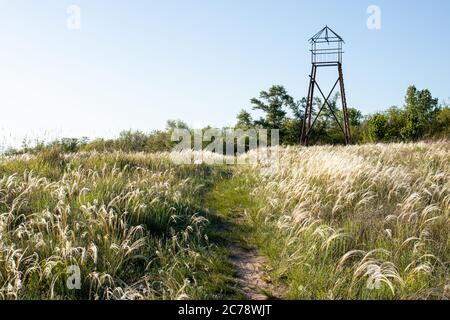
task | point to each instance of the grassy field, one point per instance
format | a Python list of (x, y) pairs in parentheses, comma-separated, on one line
[(359, 222), (133, 223)]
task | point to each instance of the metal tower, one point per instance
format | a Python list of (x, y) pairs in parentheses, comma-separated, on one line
[(326, 51)]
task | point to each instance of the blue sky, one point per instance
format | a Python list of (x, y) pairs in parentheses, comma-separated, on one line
[(135, 64)]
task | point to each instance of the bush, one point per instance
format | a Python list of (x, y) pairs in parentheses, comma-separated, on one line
[(377, 127)]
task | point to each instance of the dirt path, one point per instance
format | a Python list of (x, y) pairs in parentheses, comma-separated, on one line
[(251, 276), (227, 202)]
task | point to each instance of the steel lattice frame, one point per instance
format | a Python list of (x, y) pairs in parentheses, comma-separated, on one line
[(326, 51)]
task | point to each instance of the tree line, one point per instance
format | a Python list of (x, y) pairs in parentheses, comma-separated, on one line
[(421, 117)]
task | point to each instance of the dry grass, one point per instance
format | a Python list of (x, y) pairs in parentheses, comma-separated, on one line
[(359, 222), (132, 223)]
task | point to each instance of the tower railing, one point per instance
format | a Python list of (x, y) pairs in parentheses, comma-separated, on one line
[(326, 56), (326, 50)]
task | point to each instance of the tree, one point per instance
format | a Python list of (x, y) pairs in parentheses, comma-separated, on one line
[(326, 129), (159, 141), (175, 124), (132, 141), (396, 121), (377, 127), (244, 120), (291, 131), (276, 103), (273, 102), (443, 121), (297, 109), (421, 110), (355, 117)]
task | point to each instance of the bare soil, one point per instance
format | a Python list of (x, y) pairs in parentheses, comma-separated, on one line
[(251, 274)]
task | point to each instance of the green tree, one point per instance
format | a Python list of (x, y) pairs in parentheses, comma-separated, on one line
[(297, 109), (272, 103), (443, 122), (132, 141), (159, 141), (396, 121), (276, 102), (175, 124), (326, 129), (377, 127), (355, 117), (244, 119), (420, 113), (291, 129)]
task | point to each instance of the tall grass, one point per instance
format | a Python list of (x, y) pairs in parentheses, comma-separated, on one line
[(132, 223), (359, 222)]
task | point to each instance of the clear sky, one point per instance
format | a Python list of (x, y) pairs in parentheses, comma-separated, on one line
[(134, 64)]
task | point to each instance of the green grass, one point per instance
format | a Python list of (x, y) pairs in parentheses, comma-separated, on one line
[(134, 224), (140, 227), (230, 200), (385, 201), (233, 200)]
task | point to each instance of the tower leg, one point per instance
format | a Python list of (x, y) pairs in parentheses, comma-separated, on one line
[(347, 132), (307, 121), (306, 126)]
